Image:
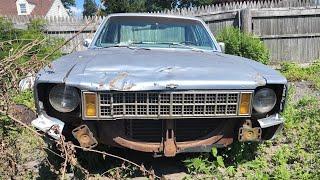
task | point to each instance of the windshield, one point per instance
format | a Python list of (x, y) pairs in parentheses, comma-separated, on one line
[(155, 32)]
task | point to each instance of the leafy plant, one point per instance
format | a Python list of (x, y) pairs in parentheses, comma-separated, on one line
[(243, 44), (294, 72), (207, 165)]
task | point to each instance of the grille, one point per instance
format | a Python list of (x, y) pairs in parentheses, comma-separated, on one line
[(163, 105), (144, 130), (185, 130), (192, 129)]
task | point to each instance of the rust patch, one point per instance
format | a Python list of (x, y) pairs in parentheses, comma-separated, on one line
[(248, 133), (138, 146), (114, 83), (84, 137), (170, 147)]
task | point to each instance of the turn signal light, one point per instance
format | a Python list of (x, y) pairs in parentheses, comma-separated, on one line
[(90, 102), (245, 104)]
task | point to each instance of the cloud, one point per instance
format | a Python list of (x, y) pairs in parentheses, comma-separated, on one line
[(76, 11)]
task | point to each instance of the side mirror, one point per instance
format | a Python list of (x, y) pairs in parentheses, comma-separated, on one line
[(87, 42), (222, 46)]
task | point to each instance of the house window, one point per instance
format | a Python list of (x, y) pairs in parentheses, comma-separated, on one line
[(23, 8)]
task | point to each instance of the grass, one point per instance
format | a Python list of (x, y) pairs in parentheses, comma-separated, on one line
[(296, 73), (20, 148)]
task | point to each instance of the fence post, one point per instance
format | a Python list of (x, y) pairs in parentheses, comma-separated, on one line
[(246, 20)]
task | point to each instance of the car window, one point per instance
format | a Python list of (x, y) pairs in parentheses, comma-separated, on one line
[(155, 32)]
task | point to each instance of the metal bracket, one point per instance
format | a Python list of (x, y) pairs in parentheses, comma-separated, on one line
[(84, 137), (170, 148), (247, 133)]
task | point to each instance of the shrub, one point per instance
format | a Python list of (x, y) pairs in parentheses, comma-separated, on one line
[(243, 44)]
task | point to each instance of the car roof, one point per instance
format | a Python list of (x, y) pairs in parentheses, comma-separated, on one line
[(154, 15)]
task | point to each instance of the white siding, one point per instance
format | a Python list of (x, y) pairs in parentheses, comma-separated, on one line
[(29, 7), (57, 9)]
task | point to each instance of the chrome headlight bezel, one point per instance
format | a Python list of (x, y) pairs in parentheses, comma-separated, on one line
[(264, 100), (63, 98)]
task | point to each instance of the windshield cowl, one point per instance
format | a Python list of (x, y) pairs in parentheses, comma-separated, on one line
[(144, 45)]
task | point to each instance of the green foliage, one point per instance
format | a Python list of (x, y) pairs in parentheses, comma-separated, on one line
[(294, 72), (121, 6), (68, 3), (243, 44), (21, 52), (194, 3), (207, 165), (89, 8), (199, 165), (25, 98), (12, 40)]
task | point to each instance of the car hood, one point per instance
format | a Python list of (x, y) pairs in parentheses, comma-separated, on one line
[(127, 69)]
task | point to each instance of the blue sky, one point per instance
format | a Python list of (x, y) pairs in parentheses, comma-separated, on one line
[(79, 7)]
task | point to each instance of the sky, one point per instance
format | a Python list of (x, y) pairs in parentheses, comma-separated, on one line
[(79, 7)]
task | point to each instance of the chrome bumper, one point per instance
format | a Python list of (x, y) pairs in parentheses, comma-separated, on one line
[(273, 124), (45, 124)]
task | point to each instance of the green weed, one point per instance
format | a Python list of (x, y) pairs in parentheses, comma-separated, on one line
[(294, 72)]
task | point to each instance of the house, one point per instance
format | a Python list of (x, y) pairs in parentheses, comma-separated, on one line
[(33, 7)]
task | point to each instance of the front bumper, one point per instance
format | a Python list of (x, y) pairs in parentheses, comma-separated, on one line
[(222, 136), (46, 123)]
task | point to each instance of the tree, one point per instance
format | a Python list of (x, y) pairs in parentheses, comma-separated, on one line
[(68, 3), (192, 3), (159, 5), (89, 8), (121, 6)]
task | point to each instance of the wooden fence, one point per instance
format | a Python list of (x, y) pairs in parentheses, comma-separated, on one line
[(289, 28)]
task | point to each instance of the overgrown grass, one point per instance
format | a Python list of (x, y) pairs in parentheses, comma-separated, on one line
[(296, 73), (294, 154), (22, 149), (22, 51)]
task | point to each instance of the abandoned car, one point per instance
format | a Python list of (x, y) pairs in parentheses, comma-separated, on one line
[(158, 84)]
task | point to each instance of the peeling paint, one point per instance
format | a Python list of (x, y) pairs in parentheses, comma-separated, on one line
[(120, 83)]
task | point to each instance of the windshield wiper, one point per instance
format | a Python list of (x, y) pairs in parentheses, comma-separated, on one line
[(182, 45), (186, 46), (127, 45)]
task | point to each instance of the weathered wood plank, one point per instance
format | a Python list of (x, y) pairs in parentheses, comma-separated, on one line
[(278, 12)]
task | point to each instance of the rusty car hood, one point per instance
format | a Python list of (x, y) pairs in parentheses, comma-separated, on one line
[(135, 69)]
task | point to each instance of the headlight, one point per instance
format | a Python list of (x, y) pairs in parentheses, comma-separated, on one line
[(64, 98), (264, 100)]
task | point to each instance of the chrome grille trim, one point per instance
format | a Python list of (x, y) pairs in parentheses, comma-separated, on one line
[(169, 105)]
